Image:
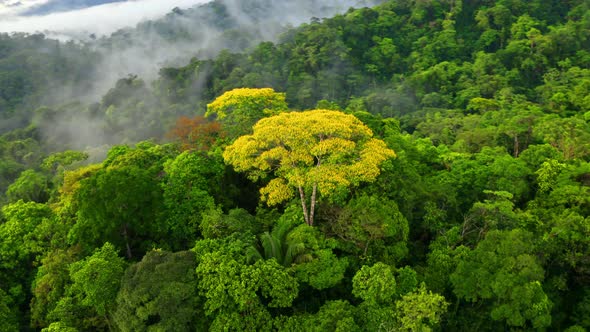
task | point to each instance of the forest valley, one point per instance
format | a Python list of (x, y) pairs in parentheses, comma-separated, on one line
[(413, 166)]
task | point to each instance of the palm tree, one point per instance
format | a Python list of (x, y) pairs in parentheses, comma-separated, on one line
[(277, 244)]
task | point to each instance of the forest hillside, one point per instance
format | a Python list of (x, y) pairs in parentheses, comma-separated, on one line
[(409, 166)]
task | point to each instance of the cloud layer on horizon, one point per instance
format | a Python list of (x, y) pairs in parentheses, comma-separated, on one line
[(100, 20)]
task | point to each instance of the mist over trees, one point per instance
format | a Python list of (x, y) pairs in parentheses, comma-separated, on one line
[(414, 166)]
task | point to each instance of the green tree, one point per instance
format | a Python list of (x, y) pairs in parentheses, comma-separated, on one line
[(190, 179), (159, 293), (21, 245), (504, 271), (96, 281), (338, 315), (30, 186), (236, 290), (317, 263), (50, 284), (309, 151), (121, 201), (374, 226), (216, 224), (8, 316), (420, 310), (375, 284)]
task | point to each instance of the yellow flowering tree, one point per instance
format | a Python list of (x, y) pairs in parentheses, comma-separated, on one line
[(313, 152), (239, 109)]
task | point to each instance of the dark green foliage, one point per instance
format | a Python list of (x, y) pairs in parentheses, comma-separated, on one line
[(120, 202), (191, 179), (373, 228), (504, 270), (480, 223), (50, 284), (159, 293)]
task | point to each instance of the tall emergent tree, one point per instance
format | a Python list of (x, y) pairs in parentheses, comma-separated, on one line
[(313, 151), (239, 109)]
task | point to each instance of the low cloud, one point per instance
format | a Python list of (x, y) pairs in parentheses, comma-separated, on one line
[(99, 20)]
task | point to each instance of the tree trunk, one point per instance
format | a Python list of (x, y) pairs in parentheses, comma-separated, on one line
[(303, 205), (129, 255), (312, 204)]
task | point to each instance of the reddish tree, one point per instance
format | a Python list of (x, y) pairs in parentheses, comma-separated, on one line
[(196, 134)]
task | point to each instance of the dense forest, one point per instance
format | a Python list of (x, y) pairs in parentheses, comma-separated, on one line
[(417, 165)]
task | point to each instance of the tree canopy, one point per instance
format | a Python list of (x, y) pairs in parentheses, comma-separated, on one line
[(318, 151), (408, 166)]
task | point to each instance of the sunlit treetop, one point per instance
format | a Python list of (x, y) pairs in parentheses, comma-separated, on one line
[(265, 99), (319, 150), (239, 109)]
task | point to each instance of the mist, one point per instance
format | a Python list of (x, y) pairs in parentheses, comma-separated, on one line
[(140, 37), (80, 23)]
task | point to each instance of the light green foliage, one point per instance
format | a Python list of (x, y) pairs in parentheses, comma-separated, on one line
[(159, 294), (376, 317), (486, 104), (575, 328), (234, 289), (568, 135), (96, 279), (335, 316), (18, 239), (509, 174), (420, 310), (569, 187), (375, 284), (89, 297), (379, 288), (59, 327), (504, 270), (57, 162), (491, 169), (567, 89), (442, 259), (304, 250), (318, 266), (325, 270), (547, 174), (8, 316), (22, 242), (30, 186)]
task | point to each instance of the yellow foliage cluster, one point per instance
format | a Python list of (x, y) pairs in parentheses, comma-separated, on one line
[(266, 100), (72, 178), (320, 148), (71, 185)]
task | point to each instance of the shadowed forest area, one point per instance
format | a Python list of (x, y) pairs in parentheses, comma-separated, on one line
[(416, 165)]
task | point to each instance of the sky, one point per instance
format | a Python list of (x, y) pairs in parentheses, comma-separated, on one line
[(68, 18)]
